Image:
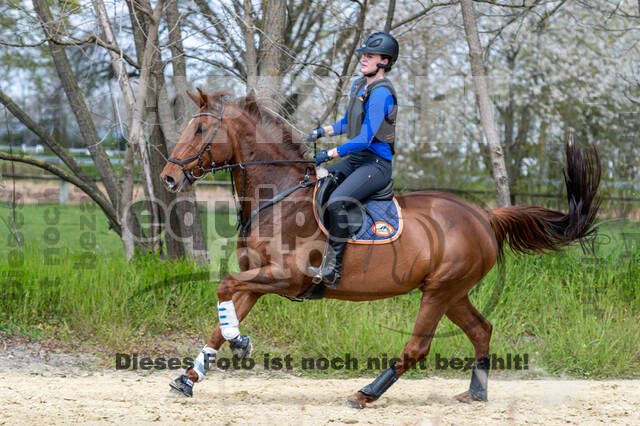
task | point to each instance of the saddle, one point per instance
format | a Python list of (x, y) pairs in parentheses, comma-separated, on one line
[(356, 212), (375, 220)]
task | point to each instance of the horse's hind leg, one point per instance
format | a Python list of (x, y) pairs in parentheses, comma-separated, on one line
[(432, 308), (478, 330)]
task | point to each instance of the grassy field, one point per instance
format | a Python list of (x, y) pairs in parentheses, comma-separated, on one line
[(570, 313)]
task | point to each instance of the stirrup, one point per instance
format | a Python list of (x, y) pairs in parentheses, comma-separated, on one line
[(327, 273), (325, 279), (326, 269), (316, 272)]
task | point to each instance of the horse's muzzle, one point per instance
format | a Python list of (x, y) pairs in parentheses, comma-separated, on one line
[(174, 183), (168, 181)]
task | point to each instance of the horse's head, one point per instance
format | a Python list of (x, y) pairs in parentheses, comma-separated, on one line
[(203, 144)]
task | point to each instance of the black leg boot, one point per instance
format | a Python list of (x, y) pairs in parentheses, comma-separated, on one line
[(330, 270), (333, 272)]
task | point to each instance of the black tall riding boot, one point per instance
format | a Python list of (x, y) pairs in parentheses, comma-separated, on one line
[(330, 269)]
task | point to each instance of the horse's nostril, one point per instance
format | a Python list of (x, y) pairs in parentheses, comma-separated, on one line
[(168, 180)]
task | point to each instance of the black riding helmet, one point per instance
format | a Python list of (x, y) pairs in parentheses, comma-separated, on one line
[(382, 44)]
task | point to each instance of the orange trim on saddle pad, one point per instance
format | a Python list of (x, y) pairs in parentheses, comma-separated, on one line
[(381, 227)]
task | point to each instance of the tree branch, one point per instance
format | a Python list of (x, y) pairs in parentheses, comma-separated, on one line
[(90, 39), (422, 12), (45, 137), (106, 207), (348, 58), (512, 6), (217, 64)]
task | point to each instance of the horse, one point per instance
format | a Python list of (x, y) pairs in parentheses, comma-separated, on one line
[(447, 246)]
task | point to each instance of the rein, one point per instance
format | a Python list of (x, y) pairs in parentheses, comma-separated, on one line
[(277, 198), (303, 183)]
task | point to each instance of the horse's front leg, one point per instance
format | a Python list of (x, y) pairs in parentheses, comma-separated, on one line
[(267, 279), (237, 294)]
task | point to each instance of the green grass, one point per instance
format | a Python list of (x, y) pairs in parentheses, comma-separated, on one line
[(572, 315)]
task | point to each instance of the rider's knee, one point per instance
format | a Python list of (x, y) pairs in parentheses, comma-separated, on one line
[(335, 205)]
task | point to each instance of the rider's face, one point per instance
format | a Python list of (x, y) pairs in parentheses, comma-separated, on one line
[(369, 61)]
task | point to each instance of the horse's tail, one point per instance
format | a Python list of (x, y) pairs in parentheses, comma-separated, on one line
[(531, 229)]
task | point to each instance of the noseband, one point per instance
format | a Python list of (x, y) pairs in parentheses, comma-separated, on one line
[(206, 148)]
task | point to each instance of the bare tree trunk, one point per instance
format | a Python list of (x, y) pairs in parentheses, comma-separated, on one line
[(519, 148), (140, 28), (76, 100), (274, 13), (157, 157), (182, 105), (135, 104), (196, 245), (126, 214), (182, 239), (485, 105), (390, 11), (11, 204), (250, 47), (347, 63), (541, 155)]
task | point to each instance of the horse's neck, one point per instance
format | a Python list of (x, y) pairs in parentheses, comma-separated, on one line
[(263, 181)]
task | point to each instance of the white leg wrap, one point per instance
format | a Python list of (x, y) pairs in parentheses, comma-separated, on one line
[(203, 361), (228, 320)]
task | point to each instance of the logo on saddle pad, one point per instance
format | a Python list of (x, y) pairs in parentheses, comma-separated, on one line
[(382, 228)]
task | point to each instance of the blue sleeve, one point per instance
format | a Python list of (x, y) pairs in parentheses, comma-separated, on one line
[(380, 104), (339, 127)]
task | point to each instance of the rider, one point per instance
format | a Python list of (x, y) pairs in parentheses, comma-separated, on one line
[(370, 125)]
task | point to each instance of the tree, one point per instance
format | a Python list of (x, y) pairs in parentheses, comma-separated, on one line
[(166, 119), (485, 105), (58, 36)]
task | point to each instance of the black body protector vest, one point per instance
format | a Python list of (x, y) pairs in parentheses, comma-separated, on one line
[(355, 112)]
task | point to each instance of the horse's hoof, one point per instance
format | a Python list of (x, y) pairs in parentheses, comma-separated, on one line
[(353, 404), (241, 346), (467, 398), (182, 386), (359, 400), (176, 393)]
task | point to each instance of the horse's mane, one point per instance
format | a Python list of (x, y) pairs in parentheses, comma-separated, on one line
[(271, 123)]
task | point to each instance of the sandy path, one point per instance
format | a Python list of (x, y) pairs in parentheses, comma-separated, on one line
[(129, 398)]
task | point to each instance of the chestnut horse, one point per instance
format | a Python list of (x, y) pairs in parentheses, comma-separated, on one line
[(446, 248)]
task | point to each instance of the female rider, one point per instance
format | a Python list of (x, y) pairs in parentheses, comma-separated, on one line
[(370, 125)]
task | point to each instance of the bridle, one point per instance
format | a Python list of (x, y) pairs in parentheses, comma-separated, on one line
[(206, 148), (211, 167)]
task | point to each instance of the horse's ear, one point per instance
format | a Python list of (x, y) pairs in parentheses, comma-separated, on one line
[(197, 99), (203, 96)]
